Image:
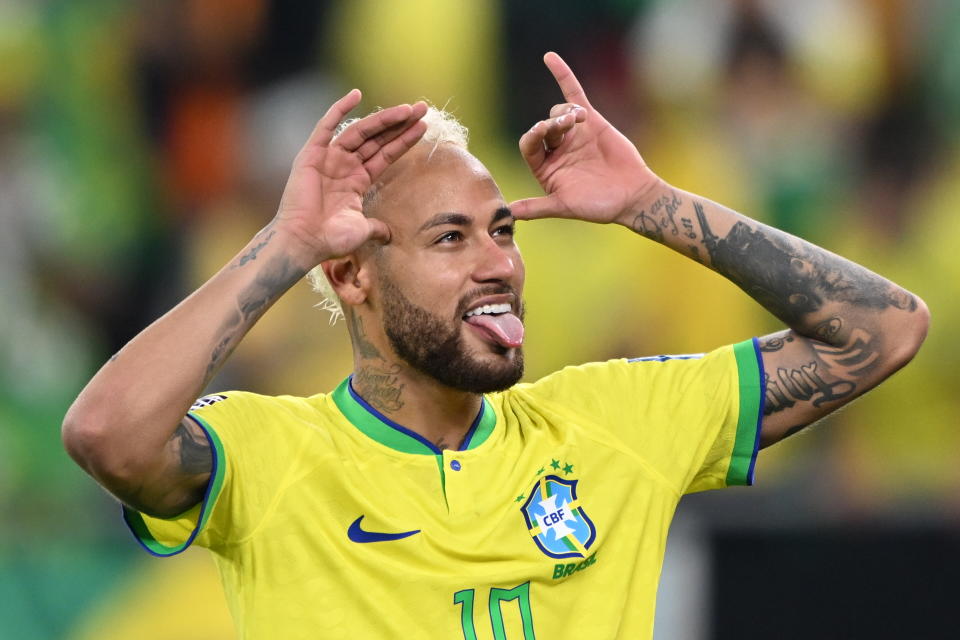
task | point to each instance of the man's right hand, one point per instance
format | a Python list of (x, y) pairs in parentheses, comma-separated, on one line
[(322, 201)]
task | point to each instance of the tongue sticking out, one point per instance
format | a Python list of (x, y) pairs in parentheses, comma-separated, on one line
[(505, 328)]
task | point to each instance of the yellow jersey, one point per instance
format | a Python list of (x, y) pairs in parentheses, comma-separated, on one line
[(328, 520)]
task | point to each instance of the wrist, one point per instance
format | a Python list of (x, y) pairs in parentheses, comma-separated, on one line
[(301, 248), (644, 201)]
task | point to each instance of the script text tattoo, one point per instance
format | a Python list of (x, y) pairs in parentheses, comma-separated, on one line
[(380, 386), (659, 217)]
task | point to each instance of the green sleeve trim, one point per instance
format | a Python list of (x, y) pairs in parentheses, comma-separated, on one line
[(749, 418), (138, 526)]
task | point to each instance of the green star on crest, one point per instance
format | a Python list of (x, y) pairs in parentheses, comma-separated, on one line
[(540, 471), (568, 468), (555, 464), (520, 498)]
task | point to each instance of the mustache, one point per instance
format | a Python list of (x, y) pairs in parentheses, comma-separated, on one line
[(491, 290)]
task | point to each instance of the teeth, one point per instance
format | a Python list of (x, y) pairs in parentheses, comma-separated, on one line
[(490, 308)]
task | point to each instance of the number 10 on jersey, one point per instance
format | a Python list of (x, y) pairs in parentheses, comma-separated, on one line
[(521, 593)]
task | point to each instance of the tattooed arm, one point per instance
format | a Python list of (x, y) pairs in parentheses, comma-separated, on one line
[(127, 427), (848, 327)]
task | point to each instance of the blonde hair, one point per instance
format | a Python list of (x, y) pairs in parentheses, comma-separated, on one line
[(442, 128)]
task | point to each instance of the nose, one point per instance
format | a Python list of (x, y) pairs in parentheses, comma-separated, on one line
[(496, 262)]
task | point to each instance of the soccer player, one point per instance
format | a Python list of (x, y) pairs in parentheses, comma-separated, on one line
[(429, 495)]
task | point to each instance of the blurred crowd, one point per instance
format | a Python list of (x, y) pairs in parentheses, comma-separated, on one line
[(142, 144)]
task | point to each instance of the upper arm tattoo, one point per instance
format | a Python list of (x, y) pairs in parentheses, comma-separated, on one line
[(180, 483), (803, 383), (192, 447), (805, 379)]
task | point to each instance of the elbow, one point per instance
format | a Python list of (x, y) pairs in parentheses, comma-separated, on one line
[(908, 336), (92, 444), (117, 460), (81, 437)]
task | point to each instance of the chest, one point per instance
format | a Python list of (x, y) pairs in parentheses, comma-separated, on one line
[(514, 512)]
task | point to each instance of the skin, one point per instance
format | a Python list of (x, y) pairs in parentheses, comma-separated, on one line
[(127, 427), (444, 263), (847, 328)]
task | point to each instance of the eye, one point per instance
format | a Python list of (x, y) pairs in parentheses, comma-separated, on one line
[(504, 230), (449, 237)]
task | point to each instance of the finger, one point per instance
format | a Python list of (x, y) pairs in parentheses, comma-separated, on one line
[(327, 125), (374, 144), (569, 107), (535, 208), (374, 124), (379, 231), (555, 130), (546, 135), (568, 82), (531, 145), (394, 150)]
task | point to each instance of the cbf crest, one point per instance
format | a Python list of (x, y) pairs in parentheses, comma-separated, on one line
[(556, 520)]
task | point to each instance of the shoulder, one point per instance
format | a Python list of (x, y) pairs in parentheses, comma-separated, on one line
[(598, 376), (585, 389), (240, 410), (250, 399), (234, 401), (632, 382)]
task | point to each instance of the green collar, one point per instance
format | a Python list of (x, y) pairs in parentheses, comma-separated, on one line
[(389, 433)]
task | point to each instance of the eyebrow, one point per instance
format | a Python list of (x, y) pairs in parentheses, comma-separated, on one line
[(461, 219), (501, 213), (446, 218)]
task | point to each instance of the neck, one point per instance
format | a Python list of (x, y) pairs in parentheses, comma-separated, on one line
[(438, 413)]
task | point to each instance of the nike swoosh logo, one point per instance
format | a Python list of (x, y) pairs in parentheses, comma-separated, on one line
[(356, 534)]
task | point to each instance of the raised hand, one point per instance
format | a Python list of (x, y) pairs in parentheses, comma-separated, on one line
[(322, 201), (587, 168)]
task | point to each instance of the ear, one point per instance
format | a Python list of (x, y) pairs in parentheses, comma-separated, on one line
[(348, 279)]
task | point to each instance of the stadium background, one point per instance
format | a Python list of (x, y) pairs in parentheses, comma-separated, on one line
[(142, 144)]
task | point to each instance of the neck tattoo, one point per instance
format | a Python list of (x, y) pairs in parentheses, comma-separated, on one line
[(380, 386)]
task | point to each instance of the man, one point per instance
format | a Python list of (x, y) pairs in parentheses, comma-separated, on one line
[(429, 495)]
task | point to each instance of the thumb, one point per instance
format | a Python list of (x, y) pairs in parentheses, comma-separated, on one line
[(534, 208)]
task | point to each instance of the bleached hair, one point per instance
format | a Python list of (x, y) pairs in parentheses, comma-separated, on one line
[(442, 128)]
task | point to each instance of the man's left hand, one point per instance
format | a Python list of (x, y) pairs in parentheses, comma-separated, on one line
[(588, 169)]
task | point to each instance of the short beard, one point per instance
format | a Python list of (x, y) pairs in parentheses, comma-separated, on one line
[(438, 349)]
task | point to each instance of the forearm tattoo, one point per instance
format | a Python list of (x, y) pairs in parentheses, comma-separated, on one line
[(660, 216), (264, 235), (276, 276), (791, 278)]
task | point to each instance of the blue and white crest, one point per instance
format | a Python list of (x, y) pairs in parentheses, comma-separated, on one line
[(555, 519)]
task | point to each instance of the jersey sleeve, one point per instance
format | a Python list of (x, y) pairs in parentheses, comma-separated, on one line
[(694, 419), (249, 459)]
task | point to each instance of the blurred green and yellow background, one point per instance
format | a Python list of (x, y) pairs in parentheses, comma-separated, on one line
[(143, 143)]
